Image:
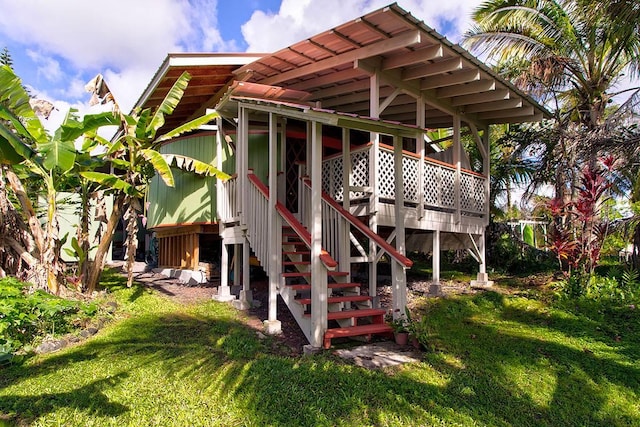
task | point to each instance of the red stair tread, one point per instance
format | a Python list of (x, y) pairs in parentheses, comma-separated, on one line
[(308, 274), (296, 252), (353, 331), (303, 286), (348, 314), (332, 300)]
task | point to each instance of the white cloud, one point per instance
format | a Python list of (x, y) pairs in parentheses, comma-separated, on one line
[(117, 33), (299, 19), (48, 68)]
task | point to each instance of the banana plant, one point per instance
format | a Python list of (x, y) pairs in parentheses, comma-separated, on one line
[(135, 158), (28, 149)]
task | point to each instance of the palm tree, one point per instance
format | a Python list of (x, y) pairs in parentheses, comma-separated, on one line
[(578, 49)]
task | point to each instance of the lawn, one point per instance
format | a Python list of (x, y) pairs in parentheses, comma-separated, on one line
[(492, 359)]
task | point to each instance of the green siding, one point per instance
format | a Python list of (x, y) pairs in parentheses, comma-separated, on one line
[(193, 199)]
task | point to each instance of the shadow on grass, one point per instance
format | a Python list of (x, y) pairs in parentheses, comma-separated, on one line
[(234, 379)]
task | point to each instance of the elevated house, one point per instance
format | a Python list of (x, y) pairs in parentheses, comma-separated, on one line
[(333, 171)]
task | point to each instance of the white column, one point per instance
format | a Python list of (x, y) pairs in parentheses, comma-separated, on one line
[(242, 153), (374, 111), (345, 243), (319, 303), (272, 324), (224, 291), (220, 194), (245, 300), (420, 122), (435, 288), (482, 280), (457, 147), (398, 272)]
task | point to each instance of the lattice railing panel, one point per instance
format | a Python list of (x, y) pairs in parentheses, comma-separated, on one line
[(448, 179), (359, 173), (386, 182), (438, 184), (432, 185), (410, 176), (473, 193)]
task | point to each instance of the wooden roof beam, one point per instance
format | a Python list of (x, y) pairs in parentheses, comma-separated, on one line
[(479, 98), (518, 119), (516, 112), (340, 89), (466, 89), (433, 69), (495, 105), (455, 78), (327, 79), (422, 55), (408, 38)]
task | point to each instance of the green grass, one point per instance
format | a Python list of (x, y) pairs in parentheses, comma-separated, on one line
[(491, 360)]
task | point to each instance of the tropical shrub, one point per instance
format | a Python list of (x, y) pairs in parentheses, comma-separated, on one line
[(26, 317)]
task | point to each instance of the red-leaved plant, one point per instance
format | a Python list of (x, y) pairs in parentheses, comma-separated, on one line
[(579, 227)]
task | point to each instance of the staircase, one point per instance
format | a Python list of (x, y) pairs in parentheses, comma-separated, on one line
[(350, 313)]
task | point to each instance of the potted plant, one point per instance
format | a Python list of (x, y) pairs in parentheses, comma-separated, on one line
[(399, 324)]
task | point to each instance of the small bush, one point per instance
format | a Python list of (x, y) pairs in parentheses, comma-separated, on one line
[(25, 317)]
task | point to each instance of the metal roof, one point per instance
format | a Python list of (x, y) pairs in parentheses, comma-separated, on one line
[(415, 62), (334, 68), (210, 74)]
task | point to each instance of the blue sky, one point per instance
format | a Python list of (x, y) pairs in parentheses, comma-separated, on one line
[(58, 46)]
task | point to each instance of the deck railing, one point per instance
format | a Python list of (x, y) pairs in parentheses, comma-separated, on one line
[(259, 229), (435, 192), (340, 229), (228, 203)]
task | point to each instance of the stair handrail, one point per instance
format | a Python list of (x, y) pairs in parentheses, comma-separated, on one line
[(295, 225), (383, 244)]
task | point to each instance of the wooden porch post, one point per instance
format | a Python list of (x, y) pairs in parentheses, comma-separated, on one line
[(374, 112), (420, 122), (245, 300), (224, 291), (345, 244), (272, 324), (399, 289), (457, 148), (482, 280), (319, 302), (435, 288)]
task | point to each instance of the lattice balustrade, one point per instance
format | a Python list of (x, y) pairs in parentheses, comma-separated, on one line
[(438, 181), (386, 182), (410, 175), (473, 193), (447, 187), (359, 173), (432, 187)]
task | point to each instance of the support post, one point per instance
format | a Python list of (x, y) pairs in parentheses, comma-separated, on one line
[(319, 303), (224, 291), (420, 122), (345, 242), (457, 148), (374, 112), (435, 289), (245, 300), (399, 273), (482, 280), (272, 325)]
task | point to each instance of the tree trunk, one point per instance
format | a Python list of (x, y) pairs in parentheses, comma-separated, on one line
[(27, 208), (98, 263)]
